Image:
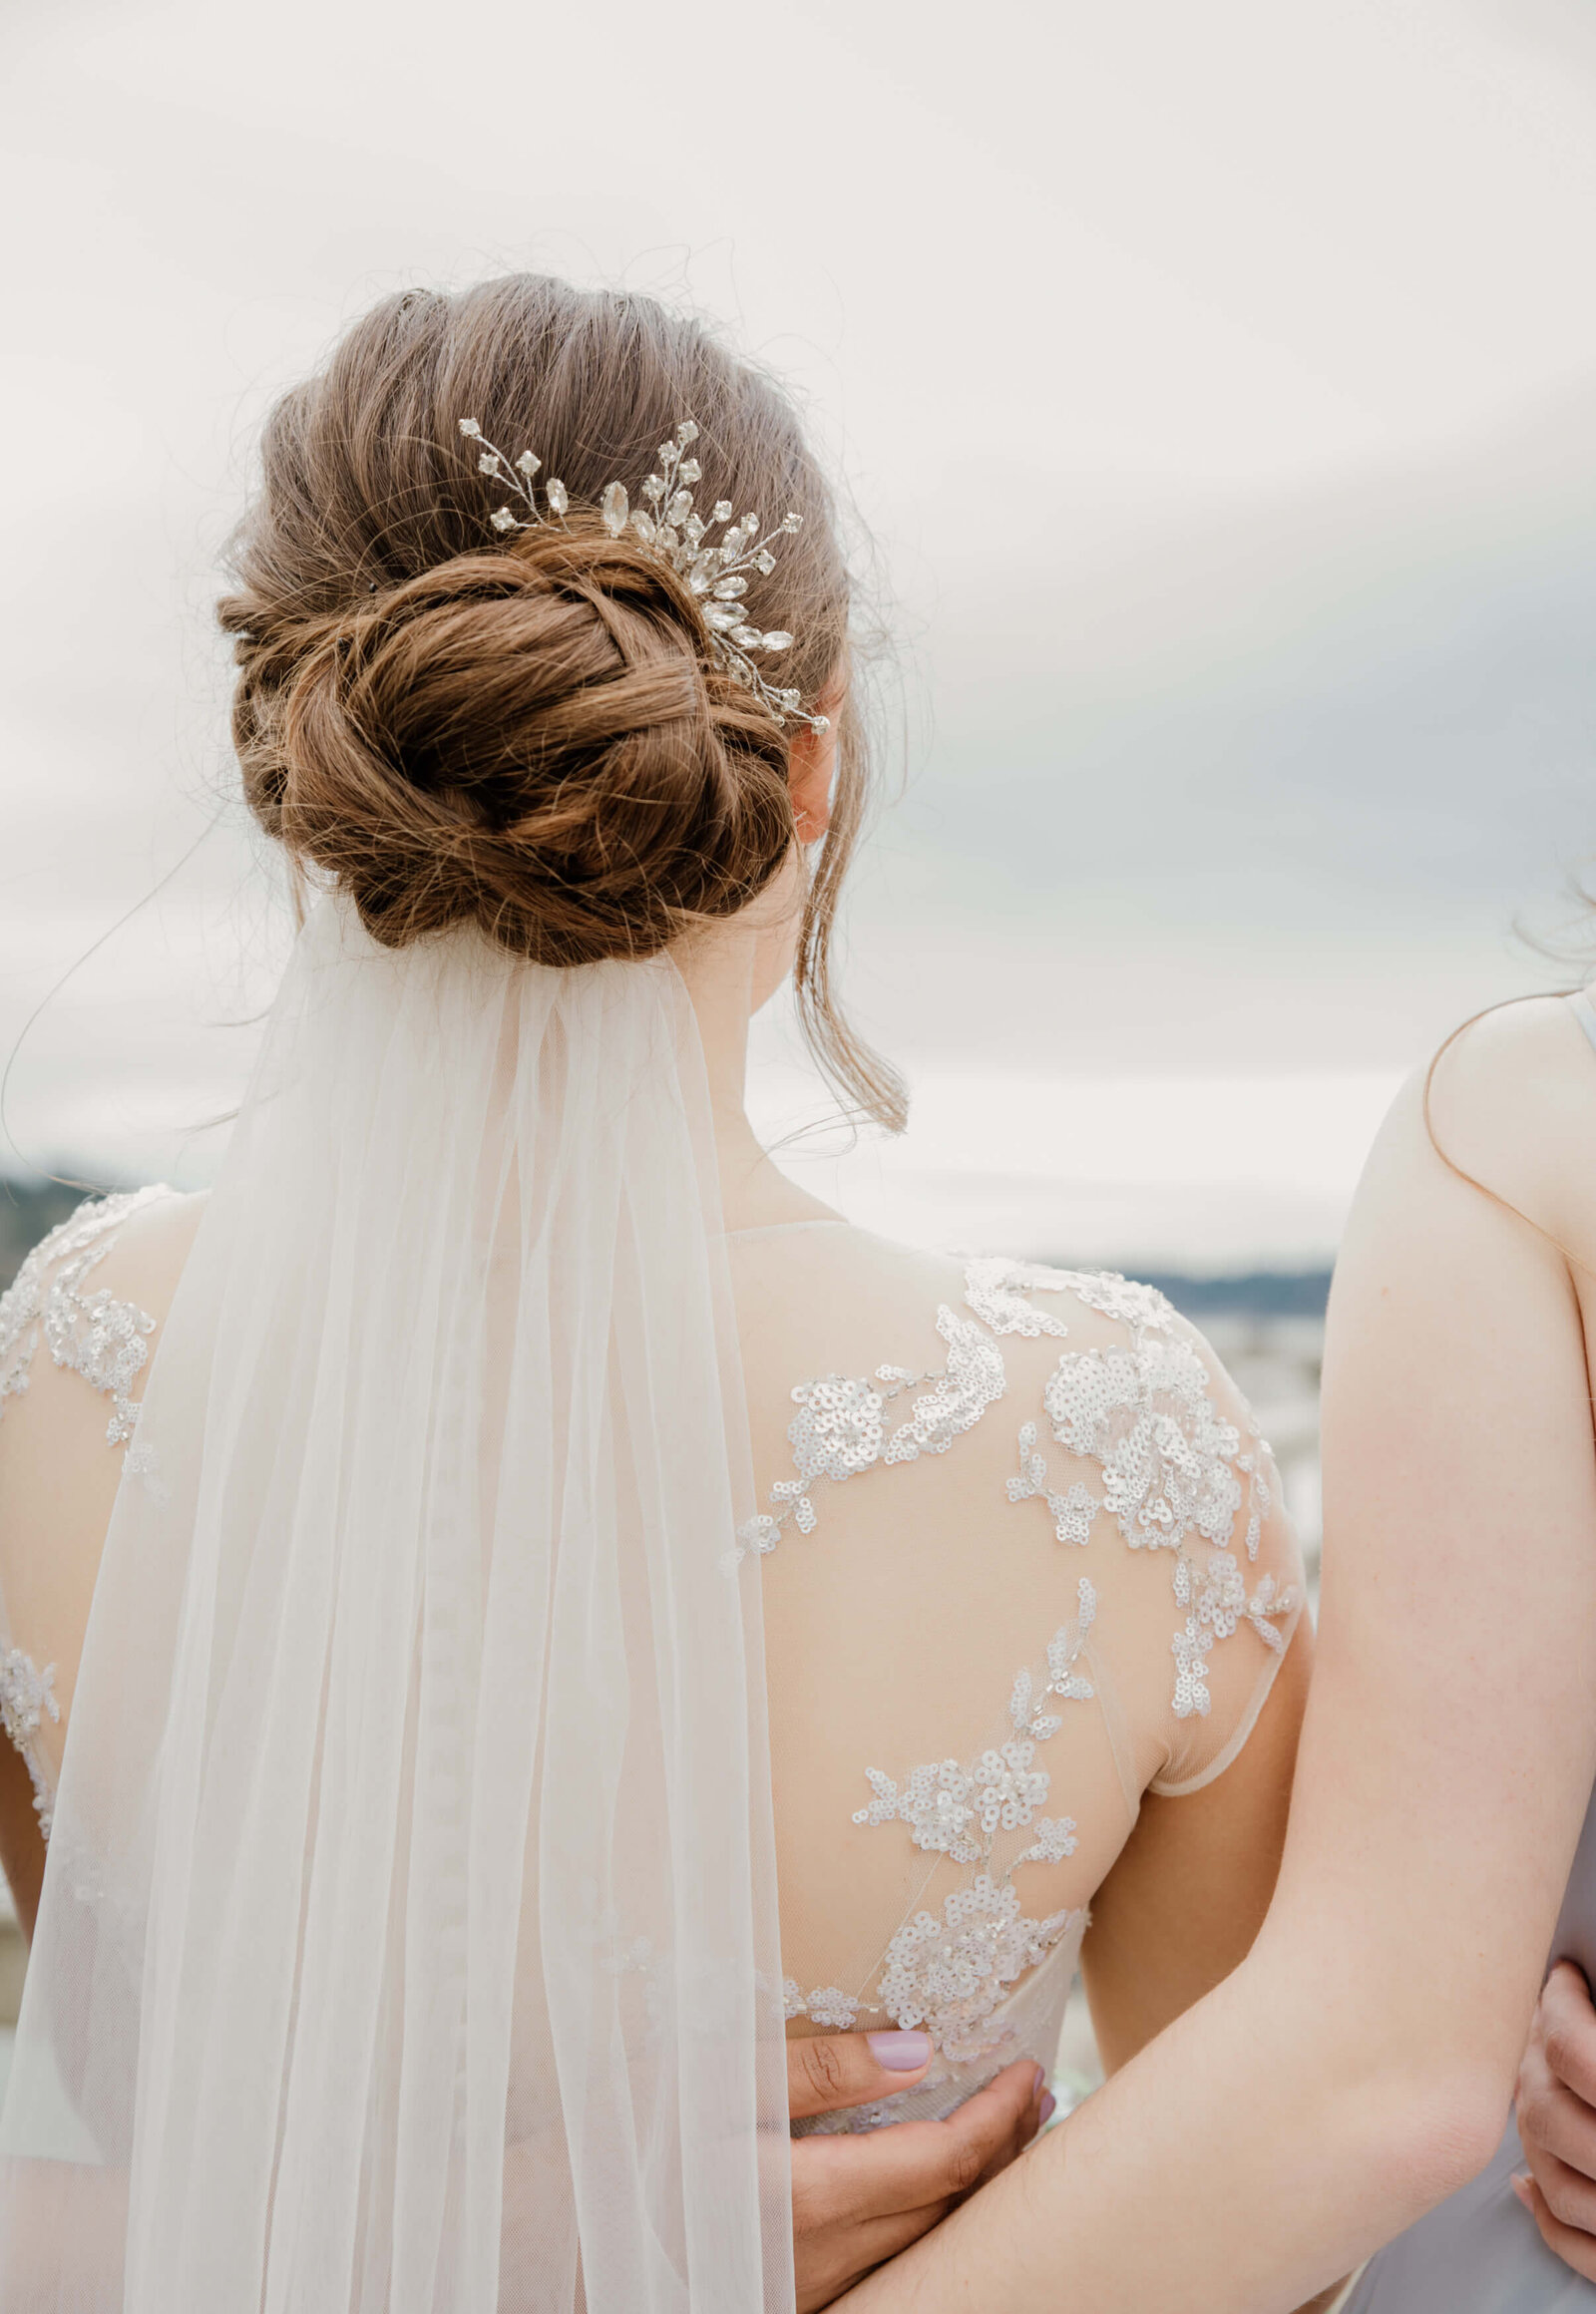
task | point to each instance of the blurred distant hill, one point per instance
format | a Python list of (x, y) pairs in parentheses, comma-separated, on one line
[(30, 1208), (1253, 1293)]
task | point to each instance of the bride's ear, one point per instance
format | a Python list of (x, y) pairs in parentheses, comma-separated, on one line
[(811, 764)]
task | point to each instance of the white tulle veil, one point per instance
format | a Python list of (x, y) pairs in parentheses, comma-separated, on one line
[(409, 1941)]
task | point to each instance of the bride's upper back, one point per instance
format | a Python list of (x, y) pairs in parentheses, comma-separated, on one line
[(1026, 1560), (1023, 1551)]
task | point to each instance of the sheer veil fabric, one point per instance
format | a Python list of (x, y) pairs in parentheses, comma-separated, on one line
[(409, 1938)]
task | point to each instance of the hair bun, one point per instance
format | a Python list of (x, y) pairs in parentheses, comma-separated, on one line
[(531, 739)]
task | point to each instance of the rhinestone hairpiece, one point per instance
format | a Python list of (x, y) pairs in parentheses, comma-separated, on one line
[(667, 523)]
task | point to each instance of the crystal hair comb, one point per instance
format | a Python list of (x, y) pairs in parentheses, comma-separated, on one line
[(667, 523)]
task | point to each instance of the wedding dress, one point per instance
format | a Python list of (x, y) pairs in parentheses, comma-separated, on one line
[(905, 1576)]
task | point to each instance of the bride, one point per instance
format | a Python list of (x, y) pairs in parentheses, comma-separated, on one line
[(513, 1609)]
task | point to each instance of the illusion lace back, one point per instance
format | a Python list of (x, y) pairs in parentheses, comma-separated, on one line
[(1023, 1560)]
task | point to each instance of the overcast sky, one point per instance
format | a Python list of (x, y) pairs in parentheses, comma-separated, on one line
[(1214, 382)]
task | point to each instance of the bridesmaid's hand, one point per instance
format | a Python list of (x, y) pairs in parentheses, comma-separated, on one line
[(1557, 2119), (857, 2200)]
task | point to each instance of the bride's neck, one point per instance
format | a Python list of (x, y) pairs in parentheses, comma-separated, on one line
[(721, 970)]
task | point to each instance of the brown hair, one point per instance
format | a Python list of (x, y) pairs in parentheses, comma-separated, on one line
[(531, 735)]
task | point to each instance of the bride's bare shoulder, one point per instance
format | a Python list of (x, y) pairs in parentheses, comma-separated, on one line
[(834, 1295), (146, 1251)]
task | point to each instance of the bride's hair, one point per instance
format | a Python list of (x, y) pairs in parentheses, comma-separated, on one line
[(527, 732)]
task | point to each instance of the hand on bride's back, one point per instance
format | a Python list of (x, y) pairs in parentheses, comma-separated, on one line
[(1557, 2119), (858, 2200)]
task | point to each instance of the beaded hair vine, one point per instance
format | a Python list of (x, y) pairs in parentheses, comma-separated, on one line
[(668, 524)]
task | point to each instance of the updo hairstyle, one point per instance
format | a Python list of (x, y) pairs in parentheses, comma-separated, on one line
[(527, 731)]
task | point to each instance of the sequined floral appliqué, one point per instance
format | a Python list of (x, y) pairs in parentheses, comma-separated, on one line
[(948, 1971), (843, 1427)]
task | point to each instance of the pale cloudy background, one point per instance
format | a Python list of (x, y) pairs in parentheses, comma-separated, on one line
[(1216, 383)]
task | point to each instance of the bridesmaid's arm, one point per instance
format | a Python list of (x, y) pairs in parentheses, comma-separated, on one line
[(1356, 2067)]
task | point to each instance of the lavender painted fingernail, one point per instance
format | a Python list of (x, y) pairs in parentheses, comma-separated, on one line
[(900, 2052), (1049, 2106), (1038, 2082)]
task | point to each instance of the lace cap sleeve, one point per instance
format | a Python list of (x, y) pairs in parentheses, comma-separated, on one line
[(104, 1339), (55, 1308), (1160, 1446), (1238, 1607)]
